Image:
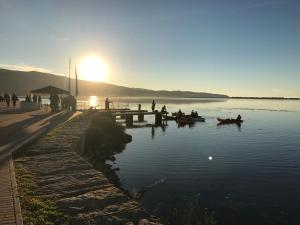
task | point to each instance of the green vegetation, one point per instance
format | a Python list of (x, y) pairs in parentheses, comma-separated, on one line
[(36, 210), (54, 132)]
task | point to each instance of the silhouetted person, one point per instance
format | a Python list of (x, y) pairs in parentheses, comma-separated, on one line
[(192, 114), (107, 104), (139, 107), (34, 98), (179, 114), (7, 99), (164, 109), (239, 117), (153, 105), (27, 99), (52, 107), (73, 103), (14, 99), (56, 102), (39, 100)]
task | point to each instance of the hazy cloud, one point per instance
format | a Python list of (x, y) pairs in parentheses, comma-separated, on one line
[(277, 90), (24, 68), (60, 38), (261, 4)]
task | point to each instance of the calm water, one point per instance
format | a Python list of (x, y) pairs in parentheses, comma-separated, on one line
[(246, 175)]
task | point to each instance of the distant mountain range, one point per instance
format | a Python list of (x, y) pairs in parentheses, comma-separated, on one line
[(22, 83)]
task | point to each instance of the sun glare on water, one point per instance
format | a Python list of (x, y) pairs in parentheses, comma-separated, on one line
[(93, 69)]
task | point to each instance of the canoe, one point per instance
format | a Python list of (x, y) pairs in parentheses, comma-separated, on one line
[(229, 121)]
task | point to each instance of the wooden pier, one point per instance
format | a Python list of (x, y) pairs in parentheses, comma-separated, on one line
[(128, 116)]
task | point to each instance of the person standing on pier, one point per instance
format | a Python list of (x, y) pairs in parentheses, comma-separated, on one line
[(164, 109), (153, 105)]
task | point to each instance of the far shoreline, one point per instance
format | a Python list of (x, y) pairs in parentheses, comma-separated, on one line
[(265, 98)]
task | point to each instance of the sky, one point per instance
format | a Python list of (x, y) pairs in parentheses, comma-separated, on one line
[(234, 47)]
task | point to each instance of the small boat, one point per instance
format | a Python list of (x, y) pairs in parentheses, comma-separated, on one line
[(184, 120), (229, 121), (169, 117), (198, 119)]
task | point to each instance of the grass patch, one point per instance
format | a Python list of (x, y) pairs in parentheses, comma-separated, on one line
[(54, 132), (36, 210)]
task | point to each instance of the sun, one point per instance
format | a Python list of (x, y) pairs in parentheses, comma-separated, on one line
[(93, 68)]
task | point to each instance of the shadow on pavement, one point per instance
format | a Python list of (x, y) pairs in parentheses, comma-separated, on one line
[(12, 135)]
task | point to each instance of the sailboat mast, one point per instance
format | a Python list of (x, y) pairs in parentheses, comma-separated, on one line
[(65, 80), (69, 75), (76, 88)]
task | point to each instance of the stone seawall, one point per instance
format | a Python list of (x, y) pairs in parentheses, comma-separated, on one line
[(80, 191)]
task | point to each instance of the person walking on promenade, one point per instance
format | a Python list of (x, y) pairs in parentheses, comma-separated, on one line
[(34, 98), (153, 105), (1, 100), (40, 100), (56, 102), (14, 99), (7, 99), (52, 102), (107, 104)]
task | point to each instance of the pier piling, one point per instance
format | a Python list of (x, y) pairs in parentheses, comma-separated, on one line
[(129, 120), (158, 118), (141, 117)]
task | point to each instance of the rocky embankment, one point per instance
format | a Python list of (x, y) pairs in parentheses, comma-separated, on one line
[(81, 192)]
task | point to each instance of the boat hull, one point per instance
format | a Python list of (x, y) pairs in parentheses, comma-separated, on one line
[(229, 121)]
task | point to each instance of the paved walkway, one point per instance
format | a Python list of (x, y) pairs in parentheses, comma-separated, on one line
[(17, 129)]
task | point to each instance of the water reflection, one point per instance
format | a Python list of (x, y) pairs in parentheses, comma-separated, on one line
[(152, 132), (238, 125), (163, 127)]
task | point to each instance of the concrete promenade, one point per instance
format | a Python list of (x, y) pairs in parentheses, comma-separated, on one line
[(16, 129)]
